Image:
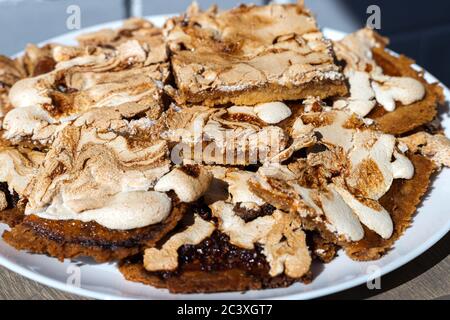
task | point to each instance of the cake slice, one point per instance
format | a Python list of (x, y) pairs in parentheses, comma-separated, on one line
[(249, 55), (241, 243), (103, 195), (385, 87)]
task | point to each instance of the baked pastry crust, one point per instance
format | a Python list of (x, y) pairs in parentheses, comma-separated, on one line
[(217, 59), (401, 201), (406, 118), (365, 53), (73, 238)]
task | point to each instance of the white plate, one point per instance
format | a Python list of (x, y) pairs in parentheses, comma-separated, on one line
[(104, 281)]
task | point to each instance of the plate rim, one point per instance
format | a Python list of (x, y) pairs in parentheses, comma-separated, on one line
[(395, 264)]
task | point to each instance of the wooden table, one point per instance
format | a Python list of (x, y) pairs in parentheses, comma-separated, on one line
[(427, 277)]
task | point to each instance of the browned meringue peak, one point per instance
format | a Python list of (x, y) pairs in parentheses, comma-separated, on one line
[(166, 258), (101, 177), (280, 235), (189, 182), (338, 186), (11, 71), (369, 152), (435, 147), (141, 30), (368, 84), (18, 166), (219, 51), (239, 190), (45, 103), (326, 207), (129, 119), (231, 136)]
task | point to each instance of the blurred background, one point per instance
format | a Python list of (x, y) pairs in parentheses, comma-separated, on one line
[(420, 29)]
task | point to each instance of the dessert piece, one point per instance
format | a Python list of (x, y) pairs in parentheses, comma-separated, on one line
[(238, 135), (401, 201), (95, 195), (428, 153), (384, 87), (84, 79), (342, 187), (241, 243), (250, 55)]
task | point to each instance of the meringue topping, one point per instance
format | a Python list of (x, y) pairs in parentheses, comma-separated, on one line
[(189, 182), (280, 234), (337, 187), (10, 72), (86, 173), (3, 201), (368, 84), (436, 147), (239, 189), (273, 112), (166, 258), (218, 59), (230, 136), (123, 211), (18, 167)]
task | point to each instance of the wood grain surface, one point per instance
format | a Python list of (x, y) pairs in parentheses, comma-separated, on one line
[(427, 277)]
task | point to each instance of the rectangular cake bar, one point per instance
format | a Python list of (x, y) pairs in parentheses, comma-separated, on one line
[(250, 55)]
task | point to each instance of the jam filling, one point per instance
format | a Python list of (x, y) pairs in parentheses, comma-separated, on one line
[(11, 199), (216, 254)]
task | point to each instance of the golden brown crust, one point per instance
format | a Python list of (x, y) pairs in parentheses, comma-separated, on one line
[(401, 201), (410, 117), (11, 217), (71, 239), (264, 93), (201, 281)]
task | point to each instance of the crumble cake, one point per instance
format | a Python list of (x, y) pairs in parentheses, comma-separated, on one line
[(250, 55), (178, 153)]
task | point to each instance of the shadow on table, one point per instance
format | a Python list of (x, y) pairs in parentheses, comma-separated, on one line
[(402, 275)]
